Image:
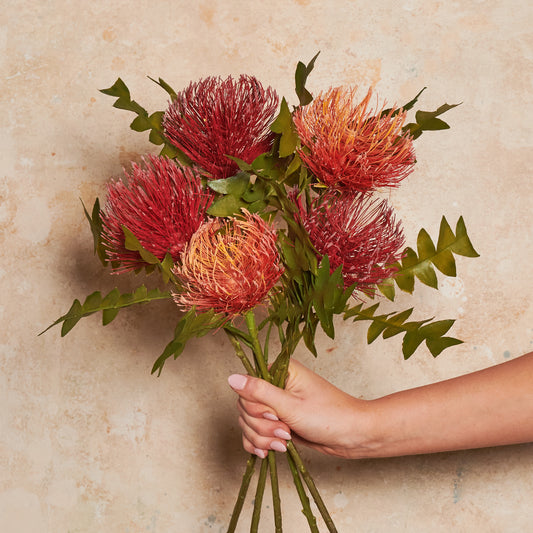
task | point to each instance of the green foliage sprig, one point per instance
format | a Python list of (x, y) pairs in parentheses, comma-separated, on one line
[(109, 305), (420, 265)]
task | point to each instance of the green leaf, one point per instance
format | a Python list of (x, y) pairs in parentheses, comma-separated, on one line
[(166, 268), (95, 223), (264, 165), (234, 185), (124, 101), (328, 295), (285, 127), (411, 341), (143, 121), (425, 246), (163, 84), (427, 121), (108, 315), (255, 191), (300, 78), (436, 346), (243, 165), (387, 289), (441, 256), (436, 329), (309, 332), (226, 206), (374, 331), (409, 105), (462, 244), (109, 305), (189, 326), (415, 332), (132, 243)]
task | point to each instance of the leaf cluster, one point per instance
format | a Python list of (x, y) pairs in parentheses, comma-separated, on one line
[(144, 121), (109, 305), (420, 263), (415, 332), (190, 325)]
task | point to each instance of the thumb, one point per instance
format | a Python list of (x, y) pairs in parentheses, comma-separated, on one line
[(260, 391)]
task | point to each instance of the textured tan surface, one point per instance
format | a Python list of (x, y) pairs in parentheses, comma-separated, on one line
[(89, 440)]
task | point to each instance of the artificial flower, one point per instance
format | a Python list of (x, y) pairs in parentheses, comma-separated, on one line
[(214, 118), (353, 146), (161, 203), (229, 265), (356, 232)]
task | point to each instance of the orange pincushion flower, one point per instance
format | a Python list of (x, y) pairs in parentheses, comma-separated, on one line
[(351, 146), (229, 266)]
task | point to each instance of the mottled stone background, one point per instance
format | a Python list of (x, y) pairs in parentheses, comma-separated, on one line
[(89, 440)]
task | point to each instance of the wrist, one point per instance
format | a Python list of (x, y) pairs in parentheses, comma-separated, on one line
[(366, 436)]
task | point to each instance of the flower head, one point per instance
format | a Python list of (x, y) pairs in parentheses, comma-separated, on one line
[(351, 146), (162, 204), (214, 118), (229, 266), (356, 232)]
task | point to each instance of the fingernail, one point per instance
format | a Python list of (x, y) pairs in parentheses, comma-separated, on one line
[(282, 434), (260, 453), (270, 416), (278, 446), (237, 381)]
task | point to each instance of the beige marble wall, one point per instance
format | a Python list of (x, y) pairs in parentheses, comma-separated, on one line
[(89, 440)]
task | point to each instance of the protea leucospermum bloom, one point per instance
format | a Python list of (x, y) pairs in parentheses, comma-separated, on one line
[(229, 265), (161, 203), (352, 146), (213, 118), (355, 231)]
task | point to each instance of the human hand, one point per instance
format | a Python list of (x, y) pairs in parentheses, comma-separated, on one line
[(318, 414)]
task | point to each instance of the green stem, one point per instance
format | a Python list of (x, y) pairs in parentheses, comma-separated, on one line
[(259, 496), (246, 478), (306, 507), (240, 353), (311, 486), (276, 501), (258, 352)]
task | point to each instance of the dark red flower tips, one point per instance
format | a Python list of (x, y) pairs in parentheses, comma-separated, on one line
[(162, 204), (215, 117), (357, 232)]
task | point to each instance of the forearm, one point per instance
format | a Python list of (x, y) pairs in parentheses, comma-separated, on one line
[(491, 407)]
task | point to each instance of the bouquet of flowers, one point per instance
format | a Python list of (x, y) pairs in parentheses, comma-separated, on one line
[(262, 221)]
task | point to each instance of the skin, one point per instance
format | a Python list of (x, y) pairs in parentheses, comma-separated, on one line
[(491, 407)]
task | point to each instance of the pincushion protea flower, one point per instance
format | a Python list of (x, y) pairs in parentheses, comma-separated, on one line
[(351, 146), (162, 204), (229, 266), (357, 232), (213, 118)]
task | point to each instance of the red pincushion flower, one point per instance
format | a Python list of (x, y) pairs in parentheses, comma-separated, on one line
[(357, 232), (214, 118), (351, 146), (229, 266), (162, 204)]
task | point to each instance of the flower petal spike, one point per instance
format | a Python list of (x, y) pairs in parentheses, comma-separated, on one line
[(352, 146), (161, 203), (355, 231), (229, 265), (213, 118)]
